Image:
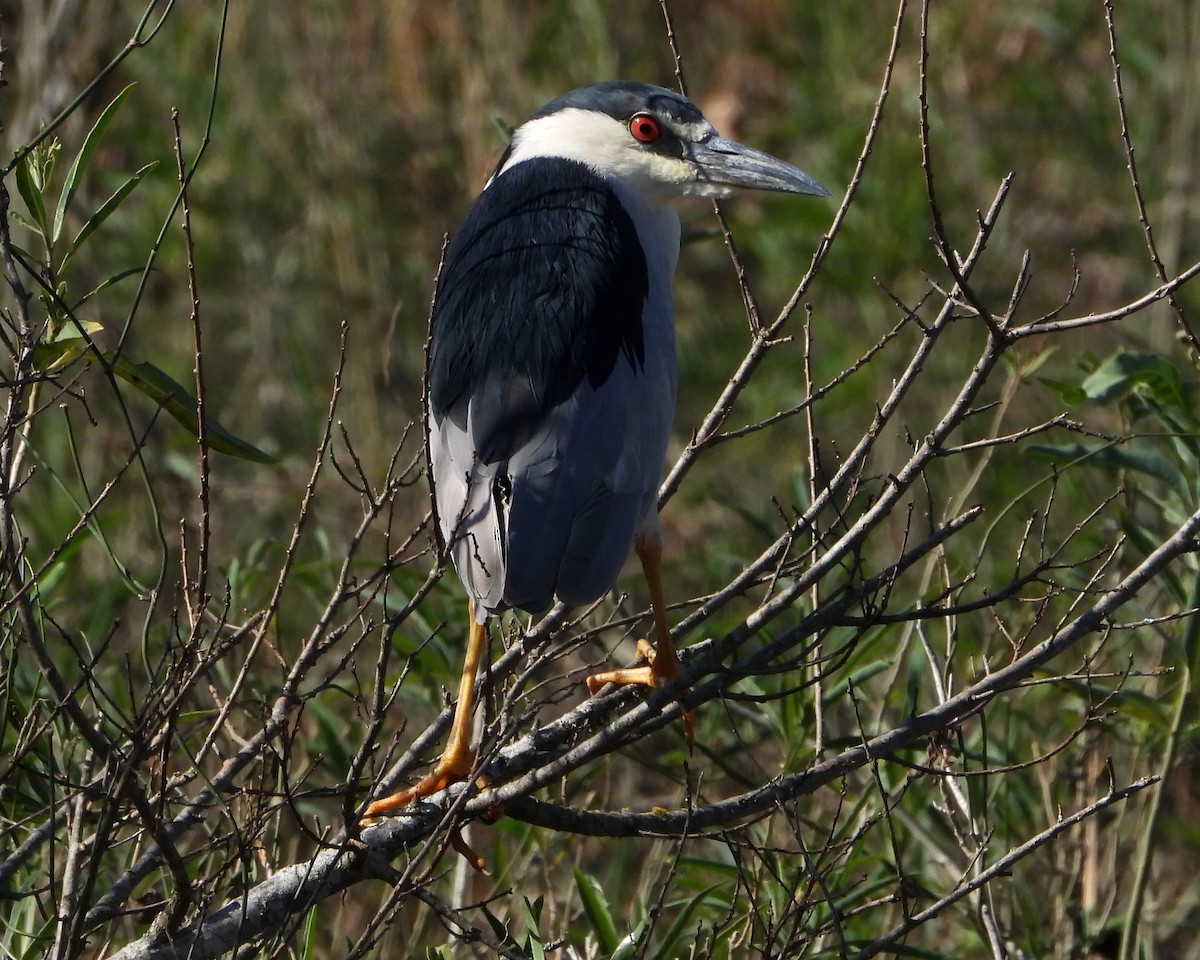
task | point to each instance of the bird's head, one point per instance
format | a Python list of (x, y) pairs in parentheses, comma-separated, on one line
[(652, 139)]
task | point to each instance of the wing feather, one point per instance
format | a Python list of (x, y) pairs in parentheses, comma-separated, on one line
[(550, 397)]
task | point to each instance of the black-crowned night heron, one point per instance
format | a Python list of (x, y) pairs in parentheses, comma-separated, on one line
[(551, 380)]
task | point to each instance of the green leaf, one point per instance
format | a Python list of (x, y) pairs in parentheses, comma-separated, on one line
[(1070, 393), (106, 208), (45, 155), (1128, 457), (15, 216), (858, 678), (1030, 366), (21, 251), (727, 870), (116, 278), (595, 906), (181, 405), (80, 163), (628, 947), (93, 522), (680, 926), (1128, 369), (1127, 701), (71, 343), (31, 194), (310, 934), (497, 925), (533, 937)]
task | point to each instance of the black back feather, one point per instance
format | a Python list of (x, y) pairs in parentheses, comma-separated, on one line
[(543, 286)]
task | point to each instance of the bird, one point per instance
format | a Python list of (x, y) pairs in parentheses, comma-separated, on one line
[(551, 369)]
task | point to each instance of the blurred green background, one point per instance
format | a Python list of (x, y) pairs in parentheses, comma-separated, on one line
[(348, 141)]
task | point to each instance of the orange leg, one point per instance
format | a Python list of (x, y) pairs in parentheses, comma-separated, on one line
[(459, 759), (662, 663)]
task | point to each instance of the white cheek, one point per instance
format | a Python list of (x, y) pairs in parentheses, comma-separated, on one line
[(580, 135), (604, 145)]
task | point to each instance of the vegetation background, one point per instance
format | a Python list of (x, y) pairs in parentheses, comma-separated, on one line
[(333, 146)]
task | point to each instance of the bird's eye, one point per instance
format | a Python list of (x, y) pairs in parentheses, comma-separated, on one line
[(645, 128)]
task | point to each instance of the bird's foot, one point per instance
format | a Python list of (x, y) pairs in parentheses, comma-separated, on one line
[(655, 671), (463, 849), (452, 768), (640, 676)]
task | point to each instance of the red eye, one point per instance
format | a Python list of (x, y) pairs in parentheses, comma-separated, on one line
[(645, 128)]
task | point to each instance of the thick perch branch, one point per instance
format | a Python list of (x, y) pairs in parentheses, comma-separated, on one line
[(297, 887)]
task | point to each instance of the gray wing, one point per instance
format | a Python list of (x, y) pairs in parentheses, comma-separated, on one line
[(551, 386)]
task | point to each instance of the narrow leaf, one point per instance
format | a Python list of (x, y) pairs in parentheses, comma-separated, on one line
[(628, 947), (596, 907), (70, 344), (30, 193), (682, 922), (21, 251), (533, 936), (181, 405), (108, 207), (858, 678), (80, 163), (1112, 457), (497, 925), (310, 934), (116, 278), (1030, 367), (1129, 701)]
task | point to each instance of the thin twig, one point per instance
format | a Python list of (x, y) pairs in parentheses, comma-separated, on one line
[(1003, 866), (1160, 270)]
